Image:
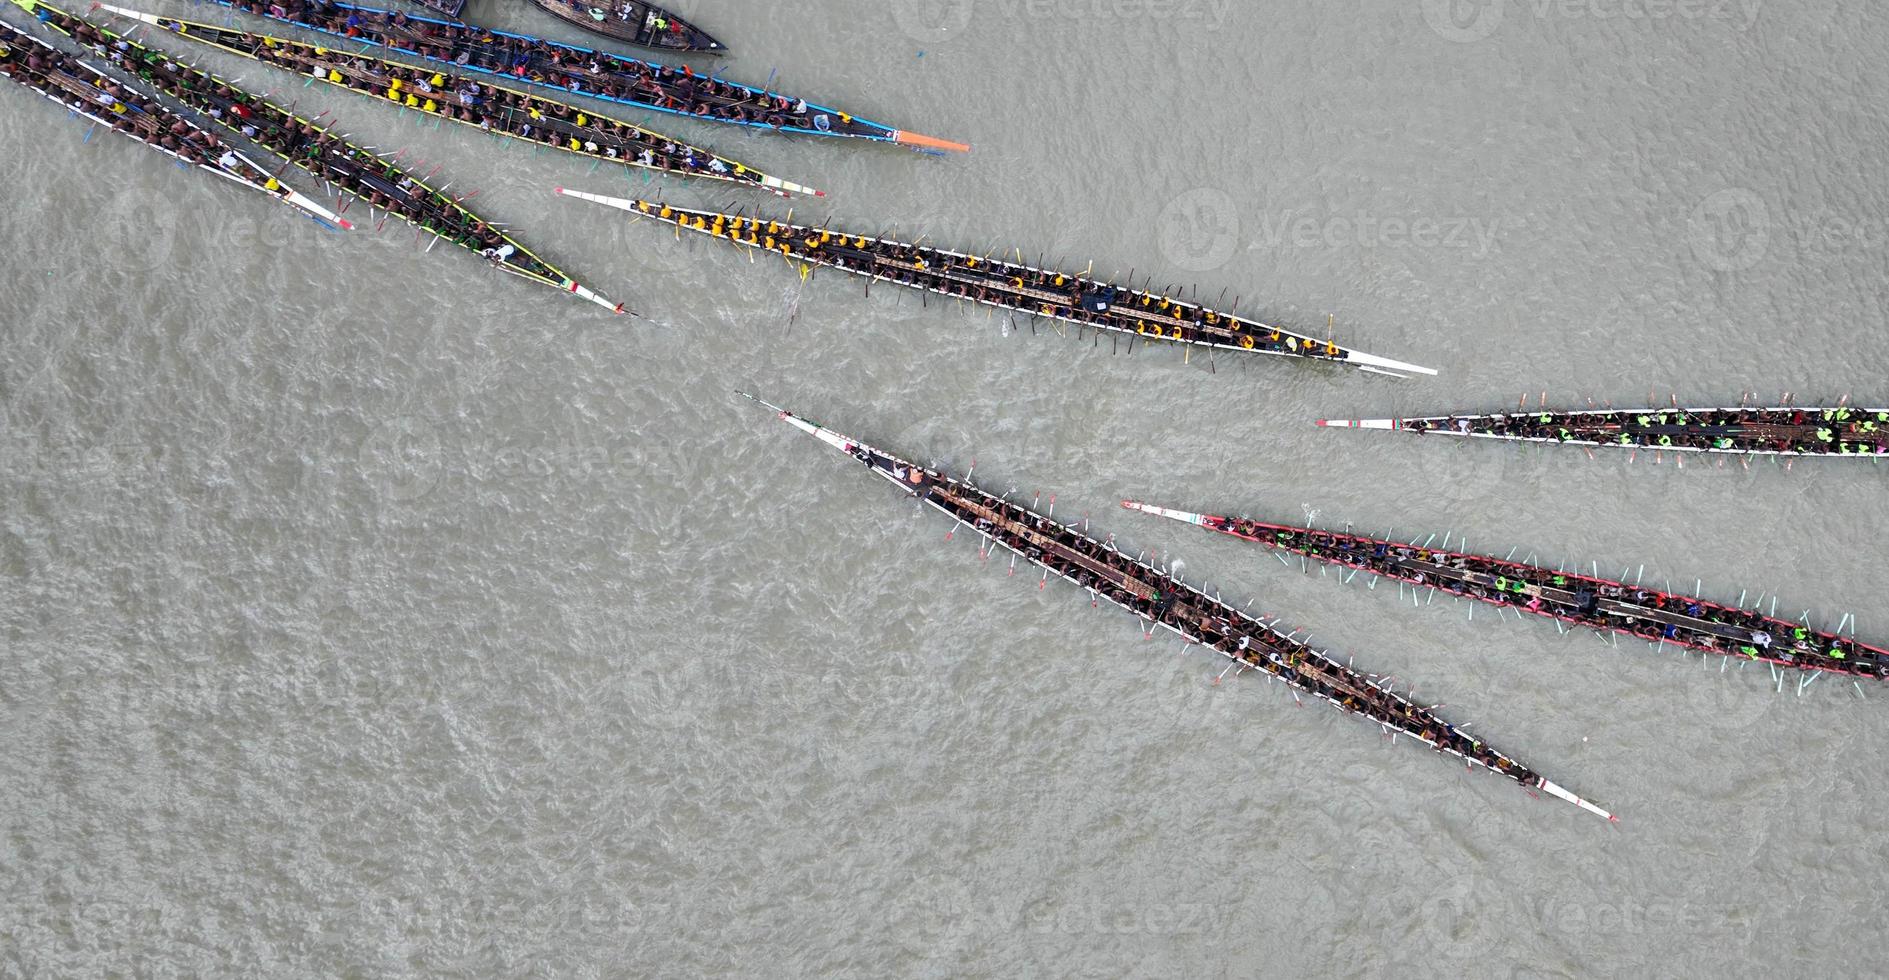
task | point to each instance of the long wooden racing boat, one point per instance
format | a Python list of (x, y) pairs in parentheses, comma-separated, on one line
[(375, 180), (82, 88), (1601, 604), (1249, 643), (1861, 433), (478, 103), (634, 22), (581, 71), (1005, 285)]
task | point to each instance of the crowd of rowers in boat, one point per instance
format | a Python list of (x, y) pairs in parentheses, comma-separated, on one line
[(1844, 430), (140, 116), (1534, 589), (981, 280), (304, 144), (1075, 557), (1053, 294), (493, 108), (595, 73)]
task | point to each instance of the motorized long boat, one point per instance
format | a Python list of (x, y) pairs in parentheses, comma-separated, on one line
[(634, 22), (476, 102), (1838, 430), (1567, 595), (375, 180), (83, 88), (1003, 284), (1162, 602), (581, 71)]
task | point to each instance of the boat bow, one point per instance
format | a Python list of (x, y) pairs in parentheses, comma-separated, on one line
[(1357, 423), (1374, 364), (1553, 790), (1185, 517), (836, 440)]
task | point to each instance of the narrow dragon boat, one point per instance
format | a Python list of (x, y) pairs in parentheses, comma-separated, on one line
[(1006, 285), (581, 71), (375, 180), (1104, 572), (1748, 431), (82, 88), (480, 104), (1604, 605), (634, 22)]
